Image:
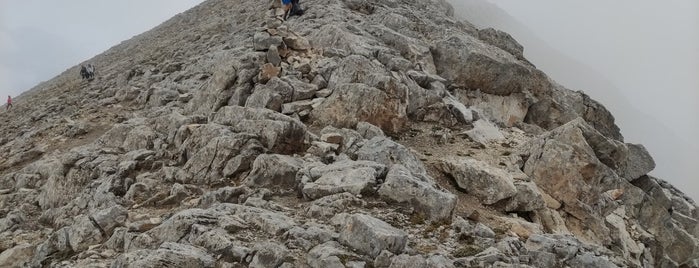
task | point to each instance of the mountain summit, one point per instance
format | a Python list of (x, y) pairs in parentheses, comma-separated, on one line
[(381, 133)]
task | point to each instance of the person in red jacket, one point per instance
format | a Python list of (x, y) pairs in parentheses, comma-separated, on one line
[(9, 102)]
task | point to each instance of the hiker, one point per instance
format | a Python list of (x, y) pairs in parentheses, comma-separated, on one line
[(9, 102), (296, 9), (291, 8), (83, 72), (90, 71)]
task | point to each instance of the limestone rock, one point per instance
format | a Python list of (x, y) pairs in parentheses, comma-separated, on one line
[(488, 183), (387, 152), (348, 105), (484, 132), (268, 255), (471, 64), (175, 254), (262, 41), (355, 181), (369, 235), (402, 186), (274, 170)]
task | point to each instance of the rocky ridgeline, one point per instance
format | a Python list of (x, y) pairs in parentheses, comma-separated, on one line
[(362, 134)]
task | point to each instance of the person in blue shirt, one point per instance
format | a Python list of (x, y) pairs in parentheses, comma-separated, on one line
[(291, 8)]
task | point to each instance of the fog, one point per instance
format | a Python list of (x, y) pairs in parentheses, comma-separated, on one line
[(639, 58), (40, 39)]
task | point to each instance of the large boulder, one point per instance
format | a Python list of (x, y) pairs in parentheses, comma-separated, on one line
[(419, 191), (359, 180), (275, 171), (387, 152), (471, 64), (370, 235), (277, 132), (489, 184), (561, 105), (167, 255), (350, 104)]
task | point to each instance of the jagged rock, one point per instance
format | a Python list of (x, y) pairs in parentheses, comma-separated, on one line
[(329, 254), (268, 255), (273, 56), (406, 261), (274, 170), (279, 133), (638, 163), (419, 191), (300, 106), (356, 181), (369, 235), (387, 152), (562, 105), (18, 256), (297, 42), (310, 237), (484, 132), (262, 41), (508, 110), (168, 253), (328, 206), (527, 198), (488, 183), (369, 131), (110, 218), (469, 63), (351, 140), (348, 105), (217, 93), (268, 72), (503, 41)]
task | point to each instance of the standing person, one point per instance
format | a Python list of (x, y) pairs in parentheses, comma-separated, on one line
[(287, 5), (9, 102)]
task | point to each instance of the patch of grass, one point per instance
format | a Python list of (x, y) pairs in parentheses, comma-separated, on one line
[(417, 218)]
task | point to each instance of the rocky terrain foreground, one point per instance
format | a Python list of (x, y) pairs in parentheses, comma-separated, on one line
[(366, 133)]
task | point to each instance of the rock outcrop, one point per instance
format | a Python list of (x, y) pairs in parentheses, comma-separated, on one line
[(361, 134)]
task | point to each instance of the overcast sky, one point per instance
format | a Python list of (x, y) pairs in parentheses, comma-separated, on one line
[(39, 39), (649, 49)]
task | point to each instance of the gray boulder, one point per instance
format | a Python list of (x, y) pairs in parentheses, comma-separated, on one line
[(268, 255), (469, 63), (328, 255), (419, 191), (348, 105), (489, 184), (355, 181), (387, 152), (278, 133), (274, 170), (370, 236), (168, 254)]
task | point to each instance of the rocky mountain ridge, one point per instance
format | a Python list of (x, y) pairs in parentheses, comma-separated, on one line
[(361, 134)]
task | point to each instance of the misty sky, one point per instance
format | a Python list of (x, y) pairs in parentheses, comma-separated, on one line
[(39, 39), (649, 49)]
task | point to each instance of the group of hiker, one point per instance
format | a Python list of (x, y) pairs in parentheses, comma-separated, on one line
[(87, 72)]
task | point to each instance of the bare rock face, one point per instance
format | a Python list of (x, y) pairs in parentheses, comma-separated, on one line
[(471, 64), (488, 183), (348, 105), (361, 134), (402, 186), (370, 235)]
